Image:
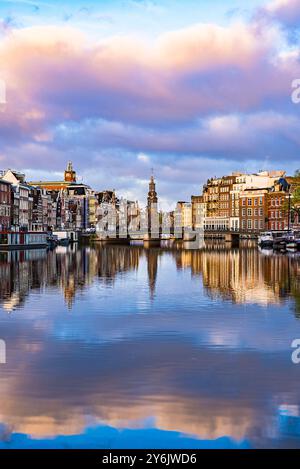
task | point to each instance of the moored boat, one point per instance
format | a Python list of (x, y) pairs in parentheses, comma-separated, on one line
[(266, 239), (65, 237), (10, 240)]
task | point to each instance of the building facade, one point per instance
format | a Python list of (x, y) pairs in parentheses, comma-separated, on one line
[(5, 204), (254, 210), (217, 199), (198, 212)]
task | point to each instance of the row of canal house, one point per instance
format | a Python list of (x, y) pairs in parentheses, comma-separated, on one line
[(23, 207), (41, 206), (243, 202)]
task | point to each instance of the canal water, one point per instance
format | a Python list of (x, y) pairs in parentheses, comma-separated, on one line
[(121, 347)]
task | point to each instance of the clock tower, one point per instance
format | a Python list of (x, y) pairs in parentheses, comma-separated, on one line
[(70, 174), (152, 194)]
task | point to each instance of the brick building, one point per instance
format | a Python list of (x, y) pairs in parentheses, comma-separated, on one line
[(5, 204), (216, 196), (254, 209)]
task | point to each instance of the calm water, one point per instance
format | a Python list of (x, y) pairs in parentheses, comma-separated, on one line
[(121, 347)]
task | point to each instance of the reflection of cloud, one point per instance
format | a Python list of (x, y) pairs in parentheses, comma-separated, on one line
[(215, 394), (107, 437), (188, 365)]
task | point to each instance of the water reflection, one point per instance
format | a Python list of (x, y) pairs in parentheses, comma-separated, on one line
[(173, 347), (238, 275)]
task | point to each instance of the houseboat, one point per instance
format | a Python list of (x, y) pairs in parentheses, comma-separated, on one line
[(22, 240)]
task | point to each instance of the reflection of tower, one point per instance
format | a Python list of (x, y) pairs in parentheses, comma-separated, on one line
[(70, 174), (152, 258)]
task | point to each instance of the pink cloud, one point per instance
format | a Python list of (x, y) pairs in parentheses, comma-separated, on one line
[(55, 74), (204, 91), (286, 11)]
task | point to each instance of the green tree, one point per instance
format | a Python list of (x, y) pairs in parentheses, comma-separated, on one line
[(294, 203)]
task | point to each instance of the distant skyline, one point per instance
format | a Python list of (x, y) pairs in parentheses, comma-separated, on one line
[(193, 89)]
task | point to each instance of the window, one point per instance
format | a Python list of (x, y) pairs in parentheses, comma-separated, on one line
[(249, 224), (249, 212), (249, 201)]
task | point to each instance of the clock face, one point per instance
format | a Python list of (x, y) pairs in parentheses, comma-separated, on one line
[(70, 176)]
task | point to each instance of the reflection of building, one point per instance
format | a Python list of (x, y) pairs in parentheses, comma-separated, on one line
[(152, 259), (71, 270), (243, 275), (239, 275)]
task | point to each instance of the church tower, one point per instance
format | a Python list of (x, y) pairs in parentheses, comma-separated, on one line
[(152, 194), (70, 174)]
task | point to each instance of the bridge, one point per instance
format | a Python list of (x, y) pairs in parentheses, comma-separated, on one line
[(154, 239), (231, 235)]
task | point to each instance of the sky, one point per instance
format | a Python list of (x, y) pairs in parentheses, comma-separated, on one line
[(192, 89)]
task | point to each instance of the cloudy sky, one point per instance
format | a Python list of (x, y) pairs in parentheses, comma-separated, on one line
[(191, 88)]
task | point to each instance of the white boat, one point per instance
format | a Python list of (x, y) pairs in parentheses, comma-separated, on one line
[(266, 239), (65, 237)]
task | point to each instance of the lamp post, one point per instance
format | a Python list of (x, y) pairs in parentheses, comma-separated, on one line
[(289, 211)]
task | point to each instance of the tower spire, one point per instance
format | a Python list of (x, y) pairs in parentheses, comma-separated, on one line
[(152, 194)]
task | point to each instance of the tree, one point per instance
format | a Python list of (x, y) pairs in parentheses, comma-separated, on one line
[(293, 203), (297, 173)]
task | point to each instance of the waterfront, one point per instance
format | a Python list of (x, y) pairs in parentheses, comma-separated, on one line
[(118, 346)]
